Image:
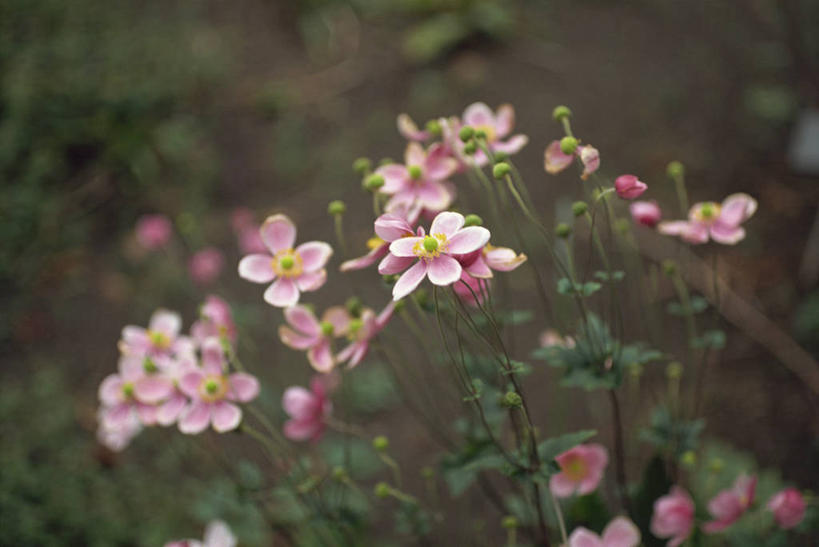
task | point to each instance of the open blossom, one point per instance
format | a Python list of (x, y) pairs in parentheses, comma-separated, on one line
[(497, 126), (721, 222), (153, 231), (581, 470), (116, 437), (481, 262), (629, 186), (388, 227), (217, 534), (308, 410), (176, 401), (421, 180), (305, 332), (215, 319), (213, 391), (206, 265), (673, 516), (434, 252), (647, 213), (361, 331), (788, 507), (555, 160), (620, 532), (291, 270), (161, 338), (727, 506), (132, 391), (590, 158)]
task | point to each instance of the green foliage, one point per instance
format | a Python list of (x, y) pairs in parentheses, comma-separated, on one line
[(711, 339), (698, 305), (589, 511), (616, 275), (672, 436), (566, 287)]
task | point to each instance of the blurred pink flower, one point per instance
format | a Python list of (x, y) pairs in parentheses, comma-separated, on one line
[(581, 470), (590, 158), (673, 516), (206, 265), (554, 160), (620, 532), (305, 332), (161, 338), (497, 126), (213, 391), (435, 252), (788, 507), (117, 437), (241, 218), (421, 179), (409, 129), (629, 186), (153, 231), (247, 231), (727, 506), (722, 222), (130, 392), (550, 337), (215, 319), (294, 270), (171, 407), (308, 410), (217, 534), (647, 213), (361, 331)]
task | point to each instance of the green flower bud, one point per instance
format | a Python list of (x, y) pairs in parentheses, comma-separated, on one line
[(381, 443), (149, 366), (327, 328), (336, 207), (675, 170), (674, 370), (373, 182), (568, 145), (635, 369), (382, 490), (466, 133), (689, 458), (716, 465), (434, 128), (287, 262), (362, 166), (669, 267), (470, 148), (509, 522), (415, 172), (339, 473), (511, 400), (500, 156), (500, 170), (563, 230), (481, 134), (354, 306), (427, 472), (561, 112), (473, 220), (579, 208)]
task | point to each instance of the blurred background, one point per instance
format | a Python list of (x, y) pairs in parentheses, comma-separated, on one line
[(113, 110)]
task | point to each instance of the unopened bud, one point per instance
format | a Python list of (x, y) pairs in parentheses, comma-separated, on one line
[(675, 170), (568, 145), (470, 148), (473, 220), (563, 230), (327, 328), (689, 458), (511, 400), (509, 522), (354, 306), (466, 133), (373, 182), (500, 170), (481, 134), (381, 443), (674, 370), (336, 207), (561, 112), (339, 474), (434, 128), (362, 166), (382, 490), (500, 156), (716, 465), (579, 208)]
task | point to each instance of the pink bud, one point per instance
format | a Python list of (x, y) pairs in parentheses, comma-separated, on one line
[(647, 213), (629, 186), (788, 507), (153, 231), (206, 265)]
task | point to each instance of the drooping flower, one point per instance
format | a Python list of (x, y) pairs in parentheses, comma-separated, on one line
[(497, 126), (161, 338), (361, 331), (727, 506), (206, 265), (217, 534), (554, 160), (481, 262), (213, 393), (647, 213), (590, 158), (409, 129), (788, 507), (305, 332), (294, 270), (620, 532), (629, 186), (153, 231), (673, 516), (420, 180), (581, 470), (308, 410), (720, 222), (388, 227), (434, 252)]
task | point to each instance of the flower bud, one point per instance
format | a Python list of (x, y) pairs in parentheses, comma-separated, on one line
[(362, 166), (500, 156), (568, 145), (689, 458), (339, 473), (561, 112), (470, 148), (563, 230), (674, 370), (669, 267), (385, 161), (509, 522), (473, 220), (381, 443), (336, 207), (716, 465), (466, 133), (511, 400), (675, 170), (373, 182), (500, 170), (434, 128), (354, 306), (579, 208), (382, 490), (629, 186), (327, 328), (481, 134)]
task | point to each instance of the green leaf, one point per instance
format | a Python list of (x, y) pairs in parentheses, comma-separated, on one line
[(549, 449), (712, 339), (616, 275), (566, 287), (698, 305), (674, 437)]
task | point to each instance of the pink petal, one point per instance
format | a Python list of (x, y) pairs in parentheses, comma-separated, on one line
[(314, 255), (737, 208), (278, 233), (467, 240), (311, 281), (590, 483), (298, 402), (339, 318), (439, 163), (217, 534), (414, 155), (146, 413), (385, 316), (621, 532), (347, 352), (447, 223), (243, 387), (395, 264), (166, 322), (555, 160), (695, 233), (225, 416), (116, 416), (257, 268), (561, 486), (726, 234), (444, 270), (213, 356), (359, 353), (433, 195), (409, 280), (478, 114), (409, 130), (390, 227), (195, 418), (152, 389), (110, 390), (504, 120), (396, 178), (297, 430), (504, 259), (293, 339), (596, 456), (320, 356), (405, 246), (170, 410), (581, 537), (136, 339), (303, 320), (190, 382), (479, 269), (365, 261), (672, 228), (283, 293), (513, 145)]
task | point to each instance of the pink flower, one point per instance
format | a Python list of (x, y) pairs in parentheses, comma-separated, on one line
[(361, 331), (307, 410), (388, 227), (117, 437), (550, 337), (215, 319), (497, 126), (629, 186), (307, 333), (788, 507), (554, 160), (647, 213), (620, 532), (481, 262), (294, 270), (213, 391), (435, 252), (161, 338), (133, 391), (474, 292), (590, 158), (241, 218), (581, 470), (217, 534), (727, 506), (206, 265), (247, 231), (719, 221), (673, 516), (409, 129), (153, 231), (421, 180), (172, 406)]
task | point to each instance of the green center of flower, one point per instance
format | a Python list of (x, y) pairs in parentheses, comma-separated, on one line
[(355, 325), (128, 390), (326, 328), (414, 172), (430, 244), (287, 262), (575, 469), (149, 366), (159, 339), (211, 386), (707, 210)]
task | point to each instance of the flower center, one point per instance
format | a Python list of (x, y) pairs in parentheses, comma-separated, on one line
[(128, 390), (327, 328), (488, 130), (213, 388), (287, 263), (159, 340), (149, 366), (431, 246), (415, 172), (708, 211), (375, 242), (575, 469)]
